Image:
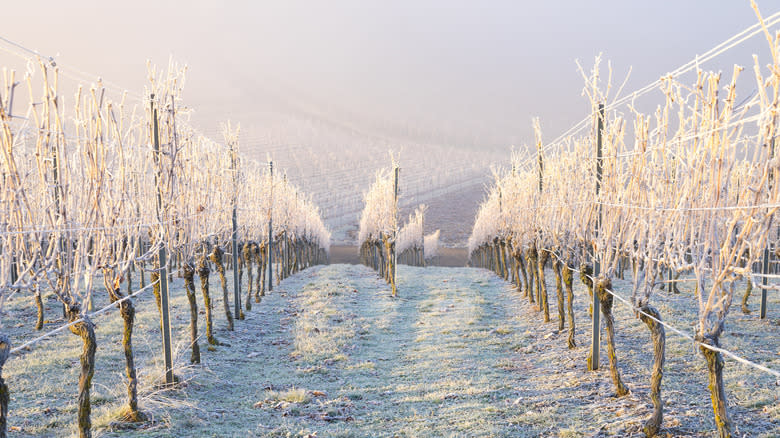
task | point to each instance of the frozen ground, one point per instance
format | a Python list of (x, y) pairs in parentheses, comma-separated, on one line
[(459, 353)]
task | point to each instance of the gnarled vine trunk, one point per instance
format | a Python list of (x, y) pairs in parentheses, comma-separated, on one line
[(606, 300), (717, 391), (559, 291), (390, 248), (127, 311), (567, 275), (748, 290), (248, 257), (516, 274), (239, 264), (216, 258), (541, 285), (653, 424), (521, 267), (203, 273), (380, 260), (262, 266), (154, 277), (586, 272), (530, 258), (504, 266), (85, 329), (188, 273), (39, 307)]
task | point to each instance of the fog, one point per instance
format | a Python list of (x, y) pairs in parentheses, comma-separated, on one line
[(462, 73), (311, 83)]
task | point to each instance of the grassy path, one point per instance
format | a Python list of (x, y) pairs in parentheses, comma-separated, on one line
[(459, 353), (330, 352)]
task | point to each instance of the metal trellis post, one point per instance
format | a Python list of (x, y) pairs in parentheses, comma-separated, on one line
[(595, 328), (767, 254), (165, 321), (270, 231), (395, 228), (236, 286)]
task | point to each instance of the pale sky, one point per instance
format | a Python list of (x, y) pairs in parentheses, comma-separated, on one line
[(455, 72)]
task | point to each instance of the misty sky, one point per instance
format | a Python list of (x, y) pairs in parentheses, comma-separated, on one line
[(466, 73)]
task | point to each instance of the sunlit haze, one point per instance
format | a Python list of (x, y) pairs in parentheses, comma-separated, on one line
[(306, 79)]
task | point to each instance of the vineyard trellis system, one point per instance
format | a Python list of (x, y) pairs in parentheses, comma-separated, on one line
[(105, 191), (414, 247), (101, 192), (378, 233), (693, 194)]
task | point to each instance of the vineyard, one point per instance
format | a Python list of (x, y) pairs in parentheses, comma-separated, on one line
[(95, 196), (197, 287), (683, 195)]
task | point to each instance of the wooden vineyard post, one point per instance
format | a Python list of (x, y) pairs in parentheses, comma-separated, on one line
[(537, 242), (269, 250), (236, 287), (538, 247), (395, 228), (501, 262), (165, 322), (595, 328), (422, 242), (672, 286)]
